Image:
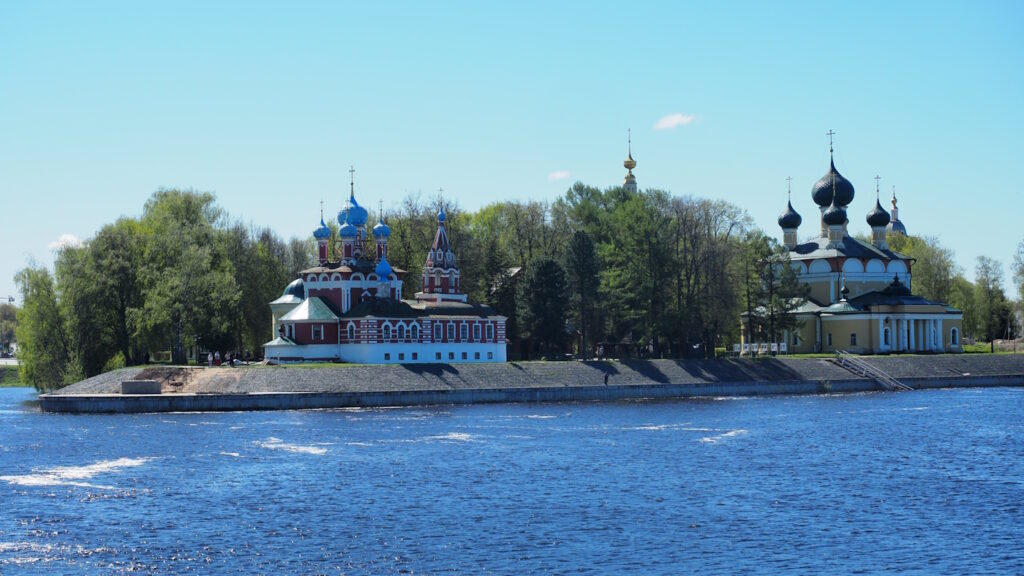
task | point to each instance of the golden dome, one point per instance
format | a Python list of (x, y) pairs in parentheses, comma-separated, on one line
[(629, 163)]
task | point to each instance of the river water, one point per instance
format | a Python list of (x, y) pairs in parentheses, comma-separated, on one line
[(922, 482)]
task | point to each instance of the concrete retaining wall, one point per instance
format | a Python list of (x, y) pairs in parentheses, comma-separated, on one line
[(117, 403)]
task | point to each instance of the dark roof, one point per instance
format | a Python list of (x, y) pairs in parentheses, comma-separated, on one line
[(852, 248), (391, 308), (383, 307), (895, 294), (455, 309)]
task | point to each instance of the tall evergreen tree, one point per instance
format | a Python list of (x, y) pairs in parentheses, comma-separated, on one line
[(582, 269), (542, 304)]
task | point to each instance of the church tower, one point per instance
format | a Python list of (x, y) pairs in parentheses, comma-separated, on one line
[(440, 273), (895, 225), (630, 182)]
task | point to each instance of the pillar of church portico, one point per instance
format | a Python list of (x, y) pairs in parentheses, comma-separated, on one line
[(938, 333), (929, 335), (913, 328)]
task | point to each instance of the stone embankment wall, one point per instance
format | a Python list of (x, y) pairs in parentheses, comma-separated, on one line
[(285, 387)]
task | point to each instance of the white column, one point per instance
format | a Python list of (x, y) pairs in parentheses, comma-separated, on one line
[(881, 335), (911, 337), (938, 334), (897, 335)]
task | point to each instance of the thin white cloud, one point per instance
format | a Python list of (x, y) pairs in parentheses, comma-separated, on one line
[(673, 121), (558, 175), (65, 241)]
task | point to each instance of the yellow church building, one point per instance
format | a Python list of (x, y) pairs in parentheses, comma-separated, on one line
[(860, 293)]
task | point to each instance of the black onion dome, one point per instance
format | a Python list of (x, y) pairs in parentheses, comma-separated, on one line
[(835, 215), (822, 190), (789, 218), (878, 216)]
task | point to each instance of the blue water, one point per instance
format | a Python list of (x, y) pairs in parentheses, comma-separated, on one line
[(923, 482)]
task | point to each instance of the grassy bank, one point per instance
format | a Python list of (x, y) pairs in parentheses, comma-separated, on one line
[(9, 377)]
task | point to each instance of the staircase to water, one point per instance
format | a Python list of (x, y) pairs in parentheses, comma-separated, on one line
[(862, 368)]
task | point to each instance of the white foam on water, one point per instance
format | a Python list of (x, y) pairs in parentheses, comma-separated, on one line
[(662, 427), (232, 454), (719, 437), (74, 475), (541, 417), (363, 444), (450, 437), (278, 444)]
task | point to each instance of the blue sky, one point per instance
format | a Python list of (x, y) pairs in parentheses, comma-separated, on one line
[(267, 105)]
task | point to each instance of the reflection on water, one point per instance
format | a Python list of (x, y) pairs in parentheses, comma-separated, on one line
[(923, 482)]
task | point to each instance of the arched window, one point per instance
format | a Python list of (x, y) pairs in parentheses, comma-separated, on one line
[(437, 332), (853, 339), (490, 332), (387, 332), (885, 336), (351, 332), (401, 331), (954, 337), (476, 332), (415, 330)]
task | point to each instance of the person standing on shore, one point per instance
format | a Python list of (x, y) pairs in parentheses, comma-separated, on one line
[(209, 359)]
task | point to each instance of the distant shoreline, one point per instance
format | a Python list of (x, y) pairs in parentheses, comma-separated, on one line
[(288, 388)]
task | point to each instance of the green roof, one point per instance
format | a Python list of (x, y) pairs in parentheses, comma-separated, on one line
[(312, 310)]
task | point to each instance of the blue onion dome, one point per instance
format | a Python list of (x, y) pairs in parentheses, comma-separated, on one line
[(297, 288), (355, 214), (896, 227), (878, 216), (323, 232), (835, 215), (789, 218), (441, 216), (382, 230), (347, 231), (383, 269), (822, 190)]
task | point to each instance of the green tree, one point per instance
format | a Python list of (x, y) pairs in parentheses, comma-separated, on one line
[(933, 268), (44, 355), (189, 290), (1018, 270), (582, 270), (637, 266), (116, 257), (542, 304), (84, 305), (962, 297), (8, 323), (993, 308), (773, 289)]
